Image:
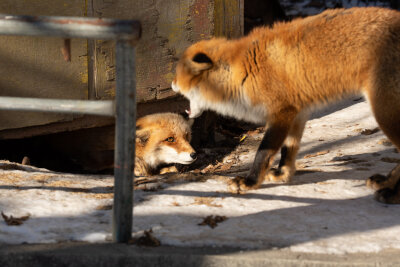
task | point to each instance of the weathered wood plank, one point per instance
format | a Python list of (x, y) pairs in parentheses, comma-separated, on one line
[(35, 67), (228, 18), (168, 28)]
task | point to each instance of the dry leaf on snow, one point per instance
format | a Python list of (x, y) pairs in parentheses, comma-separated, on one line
[(208, 201), (213, 221), (147, 240), (316, 154), (10, 220)]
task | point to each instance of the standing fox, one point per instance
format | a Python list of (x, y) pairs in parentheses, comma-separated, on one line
[(275, 76), (162, 139)]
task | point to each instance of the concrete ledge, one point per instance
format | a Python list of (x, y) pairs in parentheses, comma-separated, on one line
[(84, 254)]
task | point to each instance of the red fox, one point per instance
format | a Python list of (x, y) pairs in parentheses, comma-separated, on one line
[(275, 76), (162, 139)]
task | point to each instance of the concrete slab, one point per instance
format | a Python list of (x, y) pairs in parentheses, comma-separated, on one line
[(84, 254)]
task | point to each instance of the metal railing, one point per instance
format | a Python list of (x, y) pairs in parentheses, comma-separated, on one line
[(126, 33)]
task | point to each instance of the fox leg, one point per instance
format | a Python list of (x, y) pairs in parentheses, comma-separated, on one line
[(386, 108), (387, 187), (168, 170), (276, 133), (287, 164)]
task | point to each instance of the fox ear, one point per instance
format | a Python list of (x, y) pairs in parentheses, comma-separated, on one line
[(200, 62), (142, 136), (202, 58)]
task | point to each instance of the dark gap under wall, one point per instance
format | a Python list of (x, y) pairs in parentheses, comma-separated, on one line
[(82, 151)]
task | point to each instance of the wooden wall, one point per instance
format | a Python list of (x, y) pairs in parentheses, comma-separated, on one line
[(34, 67)]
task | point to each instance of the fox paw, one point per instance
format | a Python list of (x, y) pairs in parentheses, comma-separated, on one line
[(377, 181), (169, 169), (388, 196), (240, 185), (281, 175)]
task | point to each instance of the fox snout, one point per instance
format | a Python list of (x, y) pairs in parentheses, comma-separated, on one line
[(180, 152), (184, 157)]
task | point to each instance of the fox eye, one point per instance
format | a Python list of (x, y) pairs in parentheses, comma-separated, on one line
[(170, 139)]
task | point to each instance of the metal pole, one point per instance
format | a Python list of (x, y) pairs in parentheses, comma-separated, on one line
[(124, 141), (125, 32), (69, 27), (98, 107)]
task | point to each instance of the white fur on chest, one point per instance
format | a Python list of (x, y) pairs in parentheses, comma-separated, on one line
[(241, 109)]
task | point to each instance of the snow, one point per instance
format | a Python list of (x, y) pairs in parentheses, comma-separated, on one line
[(326, 209)]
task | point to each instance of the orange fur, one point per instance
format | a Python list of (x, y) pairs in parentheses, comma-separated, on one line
[(277, 75), (161, 139)]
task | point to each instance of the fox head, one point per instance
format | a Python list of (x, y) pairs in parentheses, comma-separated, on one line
[(164, 138), (211, 75), (193, 76)]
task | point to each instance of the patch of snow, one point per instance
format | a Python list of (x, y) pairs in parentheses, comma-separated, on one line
[(326, 209)]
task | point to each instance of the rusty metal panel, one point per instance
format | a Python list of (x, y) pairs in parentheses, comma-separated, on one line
[(168, 28), (35, 67)]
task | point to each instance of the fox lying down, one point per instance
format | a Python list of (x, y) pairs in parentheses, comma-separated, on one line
[(162, 139), (275, 76)]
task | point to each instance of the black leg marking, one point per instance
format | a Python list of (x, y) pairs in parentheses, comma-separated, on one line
[(388, 195), (284, 152), (271, 142)]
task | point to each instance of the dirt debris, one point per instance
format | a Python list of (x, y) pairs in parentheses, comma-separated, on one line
[(213, 221), (104, 207), (176, 204), (369, 131), (13, 221), (320, 153), (99, 195), (385, 142), (256, 131), (219, 166), (208, 201), (147, 240), (390, 160), (26, 161)]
